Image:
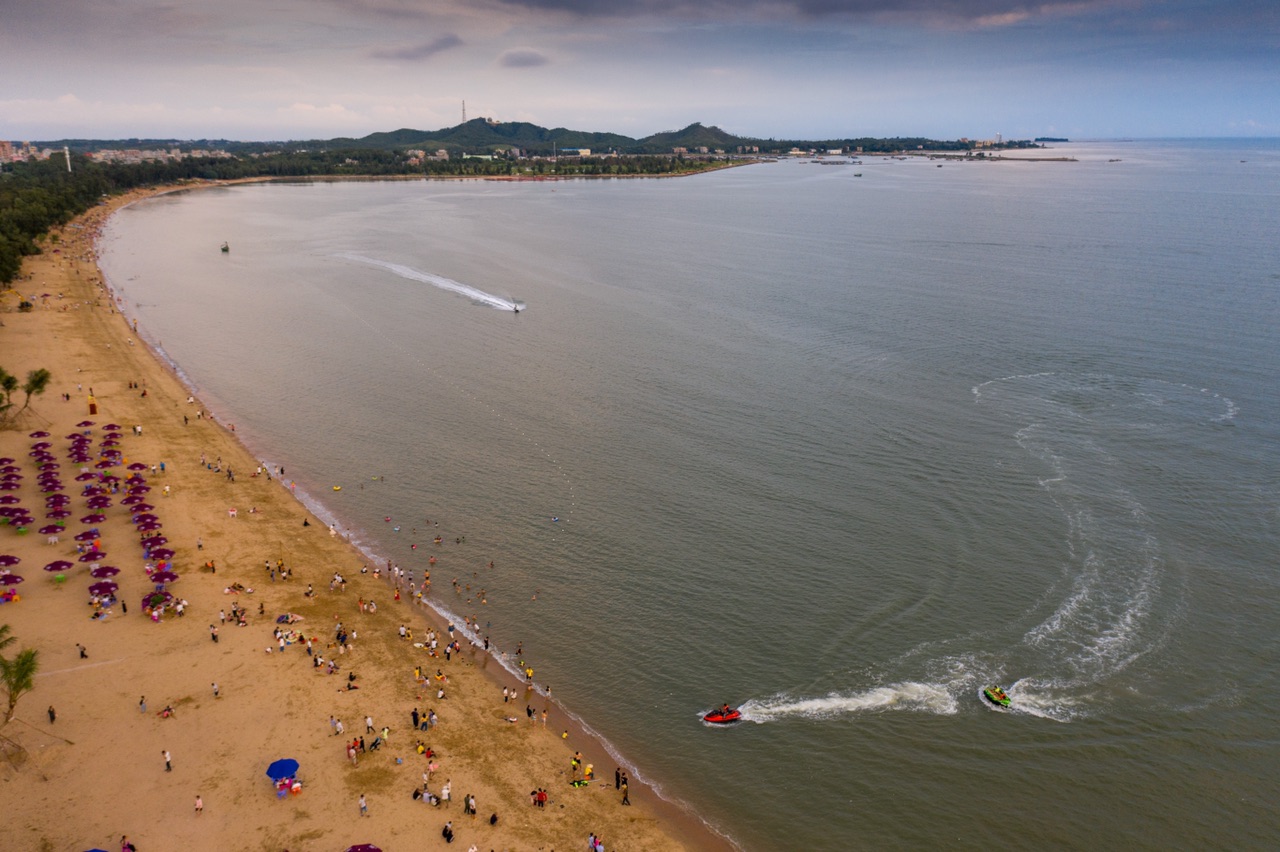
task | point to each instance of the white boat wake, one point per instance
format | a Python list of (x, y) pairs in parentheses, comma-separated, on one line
[(474, 294)]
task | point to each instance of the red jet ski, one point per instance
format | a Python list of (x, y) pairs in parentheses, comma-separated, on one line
[(723, 716)]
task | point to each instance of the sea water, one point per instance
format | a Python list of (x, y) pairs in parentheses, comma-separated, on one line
[(838, 444)]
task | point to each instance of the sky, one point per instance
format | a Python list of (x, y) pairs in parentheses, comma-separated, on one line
[(784, 69)]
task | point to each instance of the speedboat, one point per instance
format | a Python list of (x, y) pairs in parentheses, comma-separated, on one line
[(996, 696), (721, 717)]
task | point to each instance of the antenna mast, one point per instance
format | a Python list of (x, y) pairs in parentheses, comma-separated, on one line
[(464, 111)]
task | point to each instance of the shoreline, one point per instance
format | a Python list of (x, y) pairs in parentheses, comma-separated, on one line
[(653, 823)]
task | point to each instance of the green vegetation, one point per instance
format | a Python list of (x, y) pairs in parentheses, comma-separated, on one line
[(18, 675)]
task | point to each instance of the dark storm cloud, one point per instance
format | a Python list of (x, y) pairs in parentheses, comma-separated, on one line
[(523, 57), (416, 52)]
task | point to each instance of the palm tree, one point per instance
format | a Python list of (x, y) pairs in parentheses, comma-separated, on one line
[(19, 677), (37, 382), (8, 384), (5, 639)]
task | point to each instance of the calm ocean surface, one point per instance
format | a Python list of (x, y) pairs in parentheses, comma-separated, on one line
[(842, 450)]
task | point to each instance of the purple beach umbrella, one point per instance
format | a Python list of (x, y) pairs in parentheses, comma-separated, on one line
[(164, 577), (8, 559), (9, 500), (39, 434), (85, 477), (51, 529), (162, 553), (111, 427), (60, 565), (93, 519), (93, 556), (150, 526), (84, 424), (57, 514), (87, 535), (106, 587), (103, 571), (137, 466), (9, 486), (10, 579), (154, 541)]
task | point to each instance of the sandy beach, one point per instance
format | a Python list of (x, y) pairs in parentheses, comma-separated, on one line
[(98, 772)]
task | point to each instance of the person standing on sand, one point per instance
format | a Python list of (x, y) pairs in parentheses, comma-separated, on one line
[(142, 704), (168, 762), (364, 806), (213, 633), (53, 716), (199, 804)]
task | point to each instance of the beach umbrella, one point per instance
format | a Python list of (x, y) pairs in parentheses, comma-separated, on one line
[(84, 424), (11, 477), (57, 500), (103, 571), (150, 526), (286, 767), (106, 587), (9, 486), (102, 502), (142, 507), (364, 847), (154, 540), (93, 491), (162, 553), (137, 466), (39, 434), (105, 463), (153, 598), (164, 577), (87, 535), (10, 579), (10, 468), (41, 445), (12, 512), (8, 559), (139, 489), (51, 529), (58, 514), (60, 565), (93, 556), (132, 499), (111, 427), (85, 477), (144, 518), (93, 519), (9, 500)]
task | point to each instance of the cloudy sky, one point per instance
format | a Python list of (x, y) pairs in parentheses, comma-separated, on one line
[(299, 69)]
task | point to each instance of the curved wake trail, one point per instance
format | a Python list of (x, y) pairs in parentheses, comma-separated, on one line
[(1114, 584), (474, 294)]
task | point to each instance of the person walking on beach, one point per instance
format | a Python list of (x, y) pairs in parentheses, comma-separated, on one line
[(142, 704), (213, 632), (53, 716), (168, 762), (364, 806), (215, 691), (199, 804), (84, 655)]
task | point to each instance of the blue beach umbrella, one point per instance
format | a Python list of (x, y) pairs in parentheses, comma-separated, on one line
[(286, 767)]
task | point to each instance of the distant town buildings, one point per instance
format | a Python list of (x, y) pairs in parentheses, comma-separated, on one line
[(15, 152)]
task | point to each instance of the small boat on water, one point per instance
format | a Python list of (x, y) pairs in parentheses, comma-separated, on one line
[(996, 696), (723, 716), (225, 248)]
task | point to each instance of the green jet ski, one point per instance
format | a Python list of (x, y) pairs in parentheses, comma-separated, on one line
[(996, 696)]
